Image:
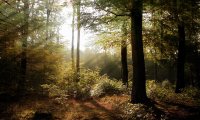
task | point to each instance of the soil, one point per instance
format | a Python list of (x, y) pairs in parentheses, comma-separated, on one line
[(37, 107)]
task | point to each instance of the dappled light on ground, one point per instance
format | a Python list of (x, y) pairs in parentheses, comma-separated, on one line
[(114, 107)]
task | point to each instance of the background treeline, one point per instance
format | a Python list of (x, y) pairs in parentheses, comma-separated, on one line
[(31, 52), (170, 36), (33, 57)]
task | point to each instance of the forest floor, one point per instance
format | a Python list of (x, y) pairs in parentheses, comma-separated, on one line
[(36, 107)]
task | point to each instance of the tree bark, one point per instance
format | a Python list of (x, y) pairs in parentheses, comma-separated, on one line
[(180, 83), (72, 49), (124, 63), (139, 79), (78, 42), (47, 20), (124, 56)]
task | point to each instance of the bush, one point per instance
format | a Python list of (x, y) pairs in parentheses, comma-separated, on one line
[(68, 85), (165, 92), (106, 86), (82, 88), (53, 90), (91, 83), (191, 92)]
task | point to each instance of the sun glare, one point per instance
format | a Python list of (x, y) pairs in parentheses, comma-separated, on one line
[(66, 30)]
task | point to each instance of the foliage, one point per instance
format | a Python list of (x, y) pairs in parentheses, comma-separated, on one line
[(91, 83), (25, 33), (53, 90), (165, 92), (107, 63), (45, 65), (87, 79), (106, 86)]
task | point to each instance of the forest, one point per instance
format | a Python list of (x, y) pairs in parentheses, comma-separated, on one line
[(99, 59)]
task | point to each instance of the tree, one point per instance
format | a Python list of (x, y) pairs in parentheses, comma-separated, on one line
[(73, 25), (180, 84), (138, 94), (110, 11), (124, 55), (78, 40), (175, 40)]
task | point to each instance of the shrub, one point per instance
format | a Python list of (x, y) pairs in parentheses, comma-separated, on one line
[(166, 84), (106, 86), (91, 83), (82, 88), (53, 90), (165, 92), (191, 92)]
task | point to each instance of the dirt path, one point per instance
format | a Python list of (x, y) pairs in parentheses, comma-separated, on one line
[(106, 108), (179, 111), (94, 109)]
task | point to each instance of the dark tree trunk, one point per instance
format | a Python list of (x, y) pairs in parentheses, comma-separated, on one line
[(78, 43), (124, 55), (156, 71), (139, 79), (180, 83), (124, 62)]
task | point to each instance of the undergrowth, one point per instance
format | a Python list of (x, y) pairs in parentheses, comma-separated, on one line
[(166, 92), (91, 84)]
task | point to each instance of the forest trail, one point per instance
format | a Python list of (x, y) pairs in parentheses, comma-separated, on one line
[(105, 108), (179, 111)]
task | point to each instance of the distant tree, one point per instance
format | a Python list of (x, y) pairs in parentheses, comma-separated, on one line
[(72, 42), (180, 84), (124, 55), (78, 40)]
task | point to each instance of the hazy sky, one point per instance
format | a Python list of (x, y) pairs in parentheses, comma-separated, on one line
[(66, 30)]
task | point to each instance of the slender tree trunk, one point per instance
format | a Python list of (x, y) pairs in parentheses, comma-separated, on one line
[(22, 81), (72, 49), (124, 56), (180, 83), (139, 79), (58, 36), (47, 20), (78, 42), (155, 71)]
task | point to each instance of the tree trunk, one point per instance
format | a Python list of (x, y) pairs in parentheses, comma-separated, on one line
[(124, 63), (156, 71), (58, 36), (180, 83), (139, 79), (78, 43), (72, 49), (47, 20), (124, 56)]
